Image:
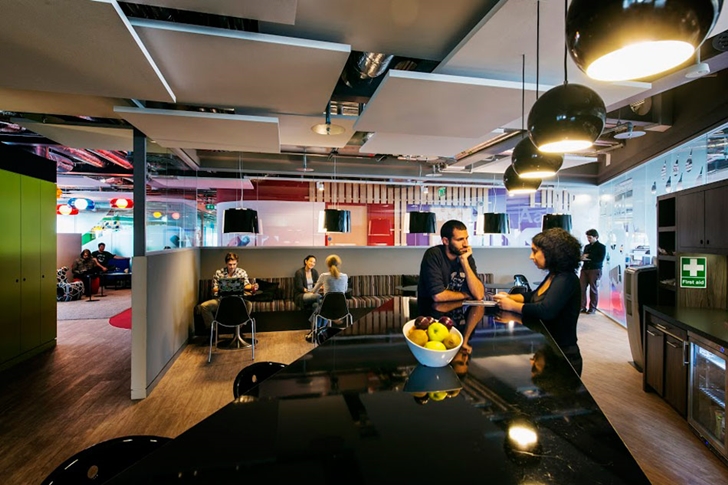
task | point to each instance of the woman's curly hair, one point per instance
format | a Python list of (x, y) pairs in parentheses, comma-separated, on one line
[(561, 250)]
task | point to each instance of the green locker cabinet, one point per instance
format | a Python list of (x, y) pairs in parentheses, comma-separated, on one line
[(30, 210), (10, 270), (48, 238)]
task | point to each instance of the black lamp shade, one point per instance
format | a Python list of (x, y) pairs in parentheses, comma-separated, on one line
[(240, 220), (517, 185), (422, 222), (337, 220), (528, 162), (595, 29), (567, 118), (496, 223), (556, 220)]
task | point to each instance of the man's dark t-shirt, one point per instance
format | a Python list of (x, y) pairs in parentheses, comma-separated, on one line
[(437, 274), (103, 257)]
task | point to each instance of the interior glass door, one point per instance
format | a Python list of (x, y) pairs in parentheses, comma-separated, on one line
[(707, 394)]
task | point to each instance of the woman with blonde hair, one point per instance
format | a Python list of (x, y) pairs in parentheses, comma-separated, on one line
[(334, 279)]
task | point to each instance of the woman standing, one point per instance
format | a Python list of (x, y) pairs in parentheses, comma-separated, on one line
[(304, 281), (557, 299)]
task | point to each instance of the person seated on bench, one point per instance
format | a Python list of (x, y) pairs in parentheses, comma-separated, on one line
[(304, 281), (85, 267), (105, 258), (230, 270)]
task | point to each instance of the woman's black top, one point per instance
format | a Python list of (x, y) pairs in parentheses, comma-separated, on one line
[(557, 307), (300, 284)]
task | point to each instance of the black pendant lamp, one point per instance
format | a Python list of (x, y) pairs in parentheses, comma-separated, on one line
[(336, 220), (240, 220), (422, 222), (567, 118), (618, 40), (496, 223), (528, 162), (517, 185), (556, 220)]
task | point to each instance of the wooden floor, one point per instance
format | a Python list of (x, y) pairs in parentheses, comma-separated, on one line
[(78, 394)]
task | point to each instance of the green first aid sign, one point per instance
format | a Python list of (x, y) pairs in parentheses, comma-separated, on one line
[(693, 272)]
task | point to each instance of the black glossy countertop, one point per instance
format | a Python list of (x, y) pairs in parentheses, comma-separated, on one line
[(708, 323), (352, 410)]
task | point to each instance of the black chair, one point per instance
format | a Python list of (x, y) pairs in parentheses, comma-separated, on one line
[(232, 312), (247, 380), (333, 308), (521, 281), (102, 461)]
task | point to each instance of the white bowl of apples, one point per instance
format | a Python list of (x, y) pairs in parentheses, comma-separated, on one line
[(433, 343)]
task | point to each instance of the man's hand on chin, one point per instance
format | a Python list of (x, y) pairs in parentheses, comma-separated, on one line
[(465, 253)]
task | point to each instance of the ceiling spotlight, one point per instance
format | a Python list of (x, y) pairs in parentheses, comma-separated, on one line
[(624, 40), (629, 133), (327, 128)]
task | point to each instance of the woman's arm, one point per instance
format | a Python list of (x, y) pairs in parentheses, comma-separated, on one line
[(510, 303), (563, 285), (319, 283)]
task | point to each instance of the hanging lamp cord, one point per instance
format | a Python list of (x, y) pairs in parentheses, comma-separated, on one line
[(523, 92), (538, 41), (566, 13)]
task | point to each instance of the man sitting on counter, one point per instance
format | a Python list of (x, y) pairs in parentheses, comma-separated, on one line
[(447, 271)]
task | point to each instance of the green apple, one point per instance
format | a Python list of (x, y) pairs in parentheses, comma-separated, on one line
[(437, 395), (437, 332), (435, 345)]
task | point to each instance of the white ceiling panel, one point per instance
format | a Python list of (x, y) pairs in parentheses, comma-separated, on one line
[(210, 131), (296, 130), (202, 183), (84, 136), (24, 101), (278, 11), (218, 67), (439, 146), (76, 46), (423, 29), (494, 50), (416, 103)]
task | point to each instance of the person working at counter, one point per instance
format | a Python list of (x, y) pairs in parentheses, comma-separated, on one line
[(447, 271), (556, 300)]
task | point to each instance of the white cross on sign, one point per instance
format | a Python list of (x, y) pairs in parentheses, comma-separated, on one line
[(693, 267)]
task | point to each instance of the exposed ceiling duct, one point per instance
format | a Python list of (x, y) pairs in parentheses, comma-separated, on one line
[(113, 158), (80, 155), (363, 67)]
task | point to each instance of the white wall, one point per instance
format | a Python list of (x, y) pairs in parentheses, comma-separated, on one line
[(164, 294), (68, 248)]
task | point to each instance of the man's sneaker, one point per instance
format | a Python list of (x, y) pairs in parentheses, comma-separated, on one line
[(592, 311), (583, 310)]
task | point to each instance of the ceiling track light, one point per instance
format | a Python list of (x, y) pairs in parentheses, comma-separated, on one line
[(629, 133), (620, 40), (567, 118)]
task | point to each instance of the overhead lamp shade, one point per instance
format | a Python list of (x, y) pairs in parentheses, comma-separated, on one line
[(240, 220), (66, 210), (496, 223), (567, 118), (121, 203), (616, 40), (556, 220), (337, 220), (517, 185), (422, 222), (530, 163)]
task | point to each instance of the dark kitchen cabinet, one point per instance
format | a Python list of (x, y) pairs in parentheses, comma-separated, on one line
[(701, 217), (666, 362)]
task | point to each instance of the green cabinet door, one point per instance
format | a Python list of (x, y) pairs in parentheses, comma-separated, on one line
[(9, 265), (48, 266), (30, 263)]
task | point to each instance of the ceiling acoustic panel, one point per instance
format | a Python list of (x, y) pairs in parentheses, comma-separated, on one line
[(419, 145), (245, 70), (25, 101), (416, 103), (73, 46), (494, 48), (209, 131), (276, 11)]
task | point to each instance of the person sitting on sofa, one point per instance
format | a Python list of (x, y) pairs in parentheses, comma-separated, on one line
[(85, 267), (230, 270), (304, 281), (105, 257)]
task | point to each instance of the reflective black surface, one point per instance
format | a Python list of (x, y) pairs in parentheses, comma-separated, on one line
[(359, 408)]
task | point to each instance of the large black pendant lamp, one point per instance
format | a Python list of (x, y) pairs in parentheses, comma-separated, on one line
[(336, 220), (567, 118), (496, 223), (556, 220), (422, 222), (517, 185), (617, 40), (240, 220)]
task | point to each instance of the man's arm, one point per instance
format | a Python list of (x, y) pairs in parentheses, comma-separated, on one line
[(475, 286)]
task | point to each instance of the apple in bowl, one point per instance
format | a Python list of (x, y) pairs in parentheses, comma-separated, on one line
[(449, 340)]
